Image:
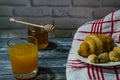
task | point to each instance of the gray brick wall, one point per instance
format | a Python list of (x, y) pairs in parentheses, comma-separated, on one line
[(66, 15)]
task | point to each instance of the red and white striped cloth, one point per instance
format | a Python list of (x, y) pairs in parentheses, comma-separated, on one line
[(78, 70)]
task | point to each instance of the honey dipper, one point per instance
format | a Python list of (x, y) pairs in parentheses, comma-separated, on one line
[(48, 27)]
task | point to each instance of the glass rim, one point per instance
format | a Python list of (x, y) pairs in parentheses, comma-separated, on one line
[(20, 37)]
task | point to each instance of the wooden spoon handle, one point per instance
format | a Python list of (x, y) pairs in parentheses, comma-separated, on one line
[(22, 22)]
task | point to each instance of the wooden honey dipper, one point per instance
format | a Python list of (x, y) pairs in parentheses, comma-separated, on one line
[(48, 27)]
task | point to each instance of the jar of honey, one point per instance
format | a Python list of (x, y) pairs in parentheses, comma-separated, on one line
[(41, 36)]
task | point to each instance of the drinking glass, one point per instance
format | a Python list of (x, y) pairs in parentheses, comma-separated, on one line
[(23, 53)]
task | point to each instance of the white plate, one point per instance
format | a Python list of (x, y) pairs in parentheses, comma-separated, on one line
[(83, 59), (98, 64)]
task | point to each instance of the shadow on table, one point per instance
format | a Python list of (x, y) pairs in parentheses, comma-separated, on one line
[(44, 74), (51, 46)]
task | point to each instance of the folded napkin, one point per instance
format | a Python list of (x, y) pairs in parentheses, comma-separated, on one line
[(78, 70)]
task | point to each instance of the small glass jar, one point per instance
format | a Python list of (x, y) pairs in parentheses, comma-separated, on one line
[(40, 34)]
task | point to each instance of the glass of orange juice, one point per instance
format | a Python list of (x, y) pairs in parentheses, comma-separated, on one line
[(23, 53)]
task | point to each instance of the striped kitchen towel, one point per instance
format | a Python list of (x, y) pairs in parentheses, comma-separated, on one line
[(79, 70)]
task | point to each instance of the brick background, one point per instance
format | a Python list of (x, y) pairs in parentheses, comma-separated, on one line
[(66, 15)]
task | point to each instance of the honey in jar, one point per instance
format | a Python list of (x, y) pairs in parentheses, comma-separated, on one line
[(41, 36)]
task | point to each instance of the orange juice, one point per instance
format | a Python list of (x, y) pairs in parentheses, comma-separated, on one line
[(23, 57)]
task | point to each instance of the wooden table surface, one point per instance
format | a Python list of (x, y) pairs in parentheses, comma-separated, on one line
[(52, 61)]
